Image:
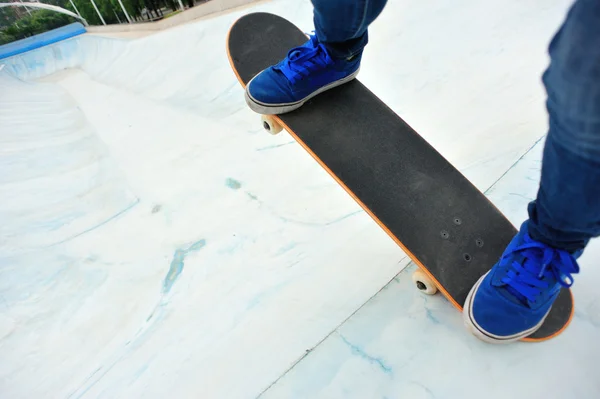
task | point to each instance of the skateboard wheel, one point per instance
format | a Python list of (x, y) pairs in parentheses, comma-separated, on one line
[(424, 283), (271, 124)]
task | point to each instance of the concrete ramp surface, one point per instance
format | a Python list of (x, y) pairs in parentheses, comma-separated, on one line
[(156, 242)]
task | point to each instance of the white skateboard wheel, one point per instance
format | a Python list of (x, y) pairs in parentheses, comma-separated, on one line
[(423, 282), (271, 124)]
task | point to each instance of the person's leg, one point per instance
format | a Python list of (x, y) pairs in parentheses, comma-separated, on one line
[(511, 301), (330, 58), (341, 25), (567, 211)]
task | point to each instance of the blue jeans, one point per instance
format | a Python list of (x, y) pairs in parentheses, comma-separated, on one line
[(341, 25), (566, 212)]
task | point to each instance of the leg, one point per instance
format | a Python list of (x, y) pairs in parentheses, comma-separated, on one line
[(330, 58), (566, 213), (341, 25), (513, 299)]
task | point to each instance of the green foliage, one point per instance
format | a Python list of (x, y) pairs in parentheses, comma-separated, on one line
[(19, 24), (38, 22), (113, 13), (8, 16), (6, 38)]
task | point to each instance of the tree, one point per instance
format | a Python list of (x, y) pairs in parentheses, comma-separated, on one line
[(8, 16), (18, 23), (38, 22)]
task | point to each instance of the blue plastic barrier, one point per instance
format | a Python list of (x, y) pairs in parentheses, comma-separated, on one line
[(43, 39)]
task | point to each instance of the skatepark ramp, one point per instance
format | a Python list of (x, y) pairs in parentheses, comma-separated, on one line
[(156, 242)]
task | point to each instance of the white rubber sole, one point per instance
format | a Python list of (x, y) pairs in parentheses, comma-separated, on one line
[(484, 335), (282, 108)]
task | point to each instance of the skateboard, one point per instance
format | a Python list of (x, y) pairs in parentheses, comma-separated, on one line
[(451, 231)]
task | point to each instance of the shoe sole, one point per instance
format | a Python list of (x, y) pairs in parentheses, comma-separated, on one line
[(282, 108), (484, 335)]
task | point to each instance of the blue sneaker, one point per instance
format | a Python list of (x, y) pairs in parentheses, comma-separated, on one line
[(305, 72), (512, 300)]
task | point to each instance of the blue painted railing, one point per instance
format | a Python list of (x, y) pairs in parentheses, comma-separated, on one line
[(43, 39)]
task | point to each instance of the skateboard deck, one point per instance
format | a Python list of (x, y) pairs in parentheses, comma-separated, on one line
[(444, 223)]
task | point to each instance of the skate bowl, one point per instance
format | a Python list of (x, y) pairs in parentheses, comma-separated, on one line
[(156, 242)]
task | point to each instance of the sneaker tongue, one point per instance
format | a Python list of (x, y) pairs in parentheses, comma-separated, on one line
[(294, 55), (511, 293), (298, 53)]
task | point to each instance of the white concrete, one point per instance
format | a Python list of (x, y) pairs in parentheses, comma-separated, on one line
[(155, 242), (404, 345)]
